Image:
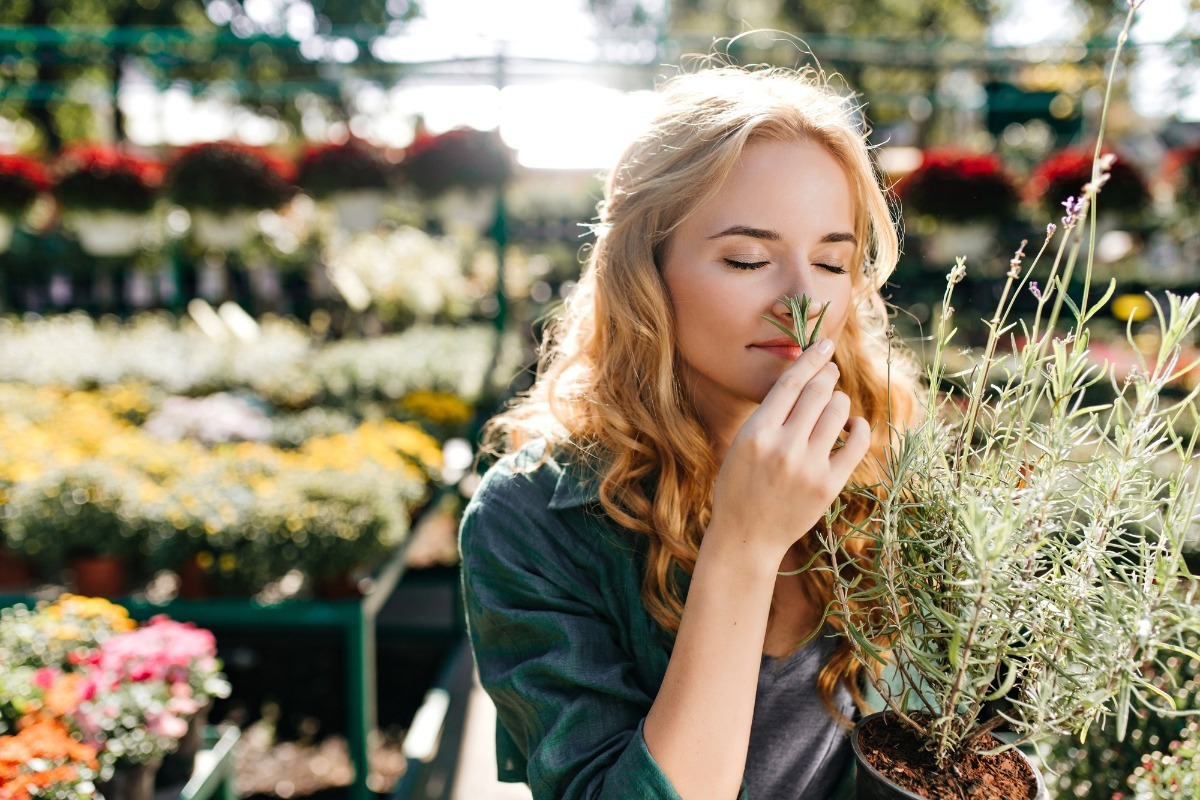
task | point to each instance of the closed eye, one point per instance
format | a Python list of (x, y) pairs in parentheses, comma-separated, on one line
[(746, 264), (836, 269)]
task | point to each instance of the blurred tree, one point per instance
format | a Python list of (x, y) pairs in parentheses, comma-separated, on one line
[(847, 37), (68, 57), (920, 64)]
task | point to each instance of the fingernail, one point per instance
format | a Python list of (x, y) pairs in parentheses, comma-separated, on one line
[(825, 347)]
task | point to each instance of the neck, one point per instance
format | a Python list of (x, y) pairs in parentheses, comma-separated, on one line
[(722, 424)]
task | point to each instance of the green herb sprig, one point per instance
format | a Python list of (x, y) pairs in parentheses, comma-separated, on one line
[(799, 306)]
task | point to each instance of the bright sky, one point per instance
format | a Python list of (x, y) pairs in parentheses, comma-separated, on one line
[(565, 122)]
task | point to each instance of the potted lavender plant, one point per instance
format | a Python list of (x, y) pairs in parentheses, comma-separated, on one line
[(1027, 568)]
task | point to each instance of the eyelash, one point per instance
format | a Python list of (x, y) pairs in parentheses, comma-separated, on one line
[(746, 264), (833, 268)]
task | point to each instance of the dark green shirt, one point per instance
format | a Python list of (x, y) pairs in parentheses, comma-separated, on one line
[(563, 643)]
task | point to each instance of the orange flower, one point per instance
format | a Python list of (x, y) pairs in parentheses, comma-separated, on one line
[(64, 694), (48, 741)]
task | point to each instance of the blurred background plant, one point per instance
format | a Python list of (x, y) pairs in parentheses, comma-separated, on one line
[(92, 177), (225, 176), (958, 186), (1063, 173), (354, 165), (126, 692), (463, 158)]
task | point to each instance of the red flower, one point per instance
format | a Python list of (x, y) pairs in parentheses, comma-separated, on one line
[(463, 157), (100, 176), (1182, 168), (329, 168), (959, 186), (1063, 174), (21, 180), (224, 176)]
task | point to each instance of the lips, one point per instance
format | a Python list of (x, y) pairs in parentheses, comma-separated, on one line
[(782, 341), (782, 347)]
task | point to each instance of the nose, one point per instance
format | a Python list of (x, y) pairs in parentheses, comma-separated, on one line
[(796, 281), (783, 309)]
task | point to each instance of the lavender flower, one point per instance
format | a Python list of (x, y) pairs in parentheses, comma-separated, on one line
[(1035, 290), (1074, 206)]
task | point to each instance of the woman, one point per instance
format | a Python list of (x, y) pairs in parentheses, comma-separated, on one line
[(637, 567)]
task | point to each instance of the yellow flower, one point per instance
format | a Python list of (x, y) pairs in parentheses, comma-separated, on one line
[(442, 408), (66, 633)]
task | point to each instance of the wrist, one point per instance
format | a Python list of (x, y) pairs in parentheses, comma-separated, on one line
[(739, 548)]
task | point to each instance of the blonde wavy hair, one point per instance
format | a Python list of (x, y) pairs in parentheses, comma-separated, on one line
[(608, 390)]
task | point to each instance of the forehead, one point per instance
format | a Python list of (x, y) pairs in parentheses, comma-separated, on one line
[(784, 185)]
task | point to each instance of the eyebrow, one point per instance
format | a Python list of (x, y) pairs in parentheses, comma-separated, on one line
[(774, 236)]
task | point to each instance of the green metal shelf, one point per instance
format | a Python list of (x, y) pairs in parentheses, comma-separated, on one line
[(355, 618)]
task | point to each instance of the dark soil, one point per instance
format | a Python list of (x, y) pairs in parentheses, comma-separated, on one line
[(896, 752)]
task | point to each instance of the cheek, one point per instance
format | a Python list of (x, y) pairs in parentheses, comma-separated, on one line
[(844, 306)]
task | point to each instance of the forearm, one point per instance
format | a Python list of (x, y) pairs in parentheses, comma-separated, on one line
[(698, 729)]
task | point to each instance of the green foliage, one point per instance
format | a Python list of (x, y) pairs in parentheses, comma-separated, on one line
[(74, 511), (799, 307), (1028, 543)]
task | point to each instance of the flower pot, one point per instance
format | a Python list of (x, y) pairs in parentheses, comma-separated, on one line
[(343, 586), (7, 224), (358, 210), (466, 212), (225, 232), (99, 576), (195, 583), (178, 766), (1007, 776), (949, 240), (108, 233), (15, 571), (132, 782)]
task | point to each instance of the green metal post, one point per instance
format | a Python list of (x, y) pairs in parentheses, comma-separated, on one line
[(361, 709)]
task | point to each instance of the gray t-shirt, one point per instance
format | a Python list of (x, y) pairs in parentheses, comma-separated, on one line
[(797, 750)]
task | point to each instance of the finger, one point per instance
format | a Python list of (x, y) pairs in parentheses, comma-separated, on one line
[(857, 443), (831, 423), (813, 400), (780, 400)]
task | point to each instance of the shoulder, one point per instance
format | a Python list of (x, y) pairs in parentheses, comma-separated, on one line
[(533, 482), (528, 501)]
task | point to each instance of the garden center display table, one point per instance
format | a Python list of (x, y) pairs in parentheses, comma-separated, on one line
[(355, 618)]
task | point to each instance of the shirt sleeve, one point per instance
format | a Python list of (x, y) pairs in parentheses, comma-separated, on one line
[(549, 654)]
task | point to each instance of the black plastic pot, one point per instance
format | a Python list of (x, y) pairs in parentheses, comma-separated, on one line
[(870, 784)]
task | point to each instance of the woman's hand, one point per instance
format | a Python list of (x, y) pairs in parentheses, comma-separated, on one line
[(781, 472)]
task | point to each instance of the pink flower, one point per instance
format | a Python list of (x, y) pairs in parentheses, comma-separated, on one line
[(168, 725), (184, 706), (44, 677)]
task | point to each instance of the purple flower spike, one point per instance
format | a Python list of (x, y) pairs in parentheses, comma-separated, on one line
[(1074, 207), (1035, 290)]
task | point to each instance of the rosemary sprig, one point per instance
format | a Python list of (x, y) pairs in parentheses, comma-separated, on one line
[(799, 306)]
